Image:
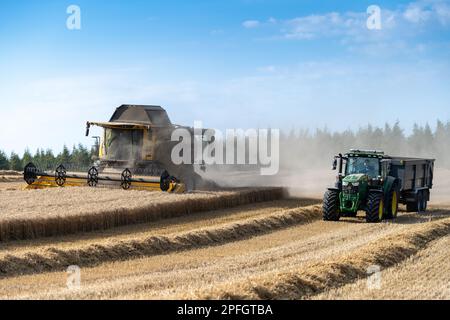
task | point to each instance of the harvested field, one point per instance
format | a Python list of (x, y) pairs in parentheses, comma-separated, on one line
[(424, 275), (9, 176), (250, 244), (235, 265), (335, 272), (56, 257), (59, 211)]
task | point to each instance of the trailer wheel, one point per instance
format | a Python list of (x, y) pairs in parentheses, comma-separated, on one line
[(331, 206), (419, 206), (392, 205), (375, 207), (421, 202)]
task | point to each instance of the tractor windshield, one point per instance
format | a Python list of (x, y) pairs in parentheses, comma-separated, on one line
[(369, 166)]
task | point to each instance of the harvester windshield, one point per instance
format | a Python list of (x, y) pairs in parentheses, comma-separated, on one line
[(123, 144), (369, 166)]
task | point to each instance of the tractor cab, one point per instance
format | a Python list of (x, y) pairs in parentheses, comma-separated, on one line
[(371, 163)]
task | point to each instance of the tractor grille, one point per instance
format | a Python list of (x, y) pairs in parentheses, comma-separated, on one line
[(350, 189)]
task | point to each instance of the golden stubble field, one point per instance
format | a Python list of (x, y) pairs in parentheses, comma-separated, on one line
[(243, 243)]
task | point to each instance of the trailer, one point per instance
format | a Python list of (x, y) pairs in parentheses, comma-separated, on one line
[(415, 178)]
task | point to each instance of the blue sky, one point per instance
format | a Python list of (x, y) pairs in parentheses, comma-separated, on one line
[(230, 64)]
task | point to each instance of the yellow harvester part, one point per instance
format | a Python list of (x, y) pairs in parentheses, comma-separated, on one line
[(49, 182)]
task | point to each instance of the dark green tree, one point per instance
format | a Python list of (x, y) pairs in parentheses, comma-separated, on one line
[(4, 161), (64, 157), (15, 163), (27, 157)]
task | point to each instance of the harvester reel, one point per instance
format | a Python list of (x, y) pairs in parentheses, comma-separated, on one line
[(30, 173), (125, 179), (60, 175), (92, 179)]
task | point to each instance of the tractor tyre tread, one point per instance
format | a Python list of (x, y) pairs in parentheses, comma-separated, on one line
[(374, 200), (331, 206)]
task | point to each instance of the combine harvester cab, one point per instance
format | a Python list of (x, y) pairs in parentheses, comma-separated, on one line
[(373, 182), (134, 149)]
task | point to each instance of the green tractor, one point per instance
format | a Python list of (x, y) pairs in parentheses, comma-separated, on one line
[(373, 182)]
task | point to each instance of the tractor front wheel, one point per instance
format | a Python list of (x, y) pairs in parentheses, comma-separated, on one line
[(331, 210), (375, 207)]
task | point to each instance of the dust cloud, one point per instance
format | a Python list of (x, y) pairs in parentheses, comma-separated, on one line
[(306, 158)]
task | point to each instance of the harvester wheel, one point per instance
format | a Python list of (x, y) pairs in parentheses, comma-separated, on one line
[(29, 173), (331, 210), (60, 175), (92, 178), (375, 207), (392, 204), (125, 179), (164, 183)]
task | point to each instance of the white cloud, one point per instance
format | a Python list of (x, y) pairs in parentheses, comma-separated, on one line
[(313, 26), (267, 69), (416, 13), (443, 13), (249, 24), (351, 26), (428, 11)]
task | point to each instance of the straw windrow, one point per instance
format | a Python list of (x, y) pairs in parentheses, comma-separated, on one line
[(37, 227), (53, 259), (334, 272)]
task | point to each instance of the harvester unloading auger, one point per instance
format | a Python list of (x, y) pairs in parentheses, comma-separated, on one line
[(135, 150)]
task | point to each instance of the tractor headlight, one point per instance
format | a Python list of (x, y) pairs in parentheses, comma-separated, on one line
[(345, 183), (355, 184)]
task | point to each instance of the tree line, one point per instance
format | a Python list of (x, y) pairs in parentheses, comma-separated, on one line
[(299, 148), (317, 148), (79, 157)]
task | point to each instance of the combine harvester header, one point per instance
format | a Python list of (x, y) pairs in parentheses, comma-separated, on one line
[(37, 179)]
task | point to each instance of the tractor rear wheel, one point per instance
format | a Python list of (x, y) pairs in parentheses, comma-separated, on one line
[(392, 205), (331, 210), (375, 207)]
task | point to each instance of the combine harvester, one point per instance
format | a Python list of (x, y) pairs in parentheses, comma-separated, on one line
[(134, 150), (371, 181)]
